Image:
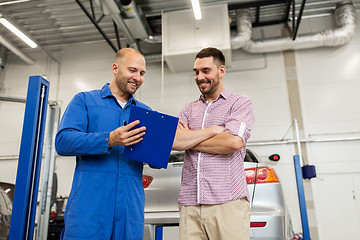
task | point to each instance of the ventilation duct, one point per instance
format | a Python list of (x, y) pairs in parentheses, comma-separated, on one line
[(134, 19), (244, 27), (109, 7), (345, 16), (3, 55)]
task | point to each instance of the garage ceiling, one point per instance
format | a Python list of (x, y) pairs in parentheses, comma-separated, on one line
[(53, 24)]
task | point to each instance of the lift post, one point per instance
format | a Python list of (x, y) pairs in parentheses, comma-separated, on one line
[(159, 233), (300, 186), (47, 190), (29, 165), (301, 197)]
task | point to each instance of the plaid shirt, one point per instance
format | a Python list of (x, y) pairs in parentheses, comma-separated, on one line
[(216, 178)]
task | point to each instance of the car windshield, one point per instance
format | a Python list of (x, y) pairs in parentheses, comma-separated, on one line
[(179, 157), (3, 203)]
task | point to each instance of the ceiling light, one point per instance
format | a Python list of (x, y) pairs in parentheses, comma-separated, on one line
[(18, 33), (12, 2), (196, 9)]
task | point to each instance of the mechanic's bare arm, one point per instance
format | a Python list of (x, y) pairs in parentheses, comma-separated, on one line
[(186, 139), (222, 143)]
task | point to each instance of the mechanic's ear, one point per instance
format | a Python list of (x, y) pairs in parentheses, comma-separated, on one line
[(115, 68)]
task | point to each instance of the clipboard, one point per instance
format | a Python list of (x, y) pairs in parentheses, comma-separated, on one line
[(159, 137)]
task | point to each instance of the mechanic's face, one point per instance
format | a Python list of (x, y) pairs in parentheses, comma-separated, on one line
[(129, 72)]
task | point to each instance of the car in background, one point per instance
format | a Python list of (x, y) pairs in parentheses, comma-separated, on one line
[(9, 189), (270, 218), (56, 218), (5, 214)]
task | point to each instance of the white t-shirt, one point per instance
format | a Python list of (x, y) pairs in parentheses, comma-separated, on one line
[(122, 104)]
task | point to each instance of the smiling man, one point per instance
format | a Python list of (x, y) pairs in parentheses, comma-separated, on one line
[(214, 199), (107, 196)]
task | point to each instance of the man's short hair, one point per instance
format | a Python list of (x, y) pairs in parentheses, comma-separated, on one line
[(119, 56), (217, 55)]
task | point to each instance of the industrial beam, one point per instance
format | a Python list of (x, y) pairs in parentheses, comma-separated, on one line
[(299, 19), (93, 20)]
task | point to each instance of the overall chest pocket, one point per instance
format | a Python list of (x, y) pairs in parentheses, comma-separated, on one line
[(103, 119)]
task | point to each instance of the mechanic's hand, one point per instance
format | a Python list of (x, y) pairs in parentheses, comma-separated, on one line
[(125, 136)]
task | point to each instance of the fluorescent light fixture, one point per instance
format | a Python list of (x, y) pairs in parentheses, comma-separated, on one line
[(13, 2), (196, 9), (18, 33)]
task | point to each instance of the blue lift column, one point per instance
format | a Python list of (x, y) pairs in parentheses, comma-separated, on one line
[(159, 233), (29, 165), (301, 196)]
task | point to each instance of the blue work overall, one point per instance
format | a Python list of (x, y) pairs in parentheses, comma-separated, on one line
[(107, 197)]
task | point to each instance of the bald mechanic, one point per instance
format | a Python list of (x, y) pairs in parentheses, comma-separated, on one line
[(107, 195)]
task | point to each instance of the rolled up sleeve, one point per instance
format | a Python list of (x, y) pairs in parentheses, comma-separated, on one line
[(241, 119)]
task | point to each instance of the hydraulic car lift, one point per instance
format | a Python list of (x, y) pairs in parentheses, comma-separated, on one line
[(29, 165)]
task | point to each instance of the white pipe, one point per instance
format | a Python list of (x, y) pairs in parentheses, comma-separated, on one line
[(258, 143), (162, 73), (243, 27), (7, 98), (113, 10), (345, 16), (45, 181), (12, 99), (55, 125), (292, 141), (129, 9), (298, 140), (6, 43)]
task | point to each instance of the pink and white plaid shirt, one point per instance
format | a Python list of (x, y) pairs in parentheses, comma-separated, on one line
[(216, 178)]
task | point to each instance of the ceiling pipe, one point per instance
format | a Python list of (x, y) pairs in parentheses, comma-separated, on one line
[(12, 99), (128, 8), (152, 58), (153, 39), (134, 19), (3, 56), (244, 28), (345, 17), (112, 9), (6, 43)]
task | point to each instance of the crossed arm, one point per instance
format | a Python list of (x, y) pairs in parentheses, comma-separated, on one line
[(210, 140)]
